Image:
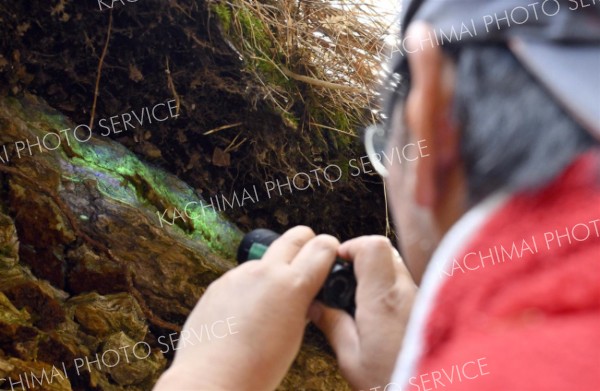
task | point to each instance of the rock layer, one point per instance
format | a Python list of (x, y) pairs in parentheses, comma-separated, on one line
[(88, 276)]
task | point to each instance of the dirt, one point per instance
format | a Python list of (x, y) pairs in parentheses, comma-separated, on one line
[(175, 50)]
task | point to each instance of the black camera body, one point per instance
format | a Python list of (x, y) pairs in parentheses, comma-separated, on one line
[(339, 289)]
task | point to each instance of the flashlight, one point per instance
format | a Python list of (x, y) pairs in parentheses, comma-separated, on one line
[(339, 288)]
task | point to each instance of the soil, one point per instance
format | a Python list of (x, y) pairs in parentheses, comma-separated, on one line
[(175, 50)]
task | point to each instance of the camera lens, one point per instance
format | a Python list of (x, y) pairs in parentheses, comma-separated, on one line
[(339, 288)]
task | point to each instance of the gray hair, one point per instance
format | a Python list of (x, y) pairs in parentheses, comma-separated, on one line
[(514, 135)]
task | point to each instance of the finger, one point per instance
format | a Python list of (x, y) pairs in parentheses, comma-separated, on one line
[(401, 269), (338, 327), (285, 248), (314, 261), (374, 263)]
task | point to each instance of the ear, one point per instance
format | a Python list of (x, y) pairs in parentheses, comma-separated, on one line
[(428, 112)]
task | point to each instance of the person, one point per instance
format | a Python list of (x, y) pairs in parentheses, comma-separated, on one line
[(498, 224)]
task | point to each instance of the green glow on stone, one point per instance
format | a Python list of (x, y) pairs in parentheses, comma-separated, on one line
[(114, 168)]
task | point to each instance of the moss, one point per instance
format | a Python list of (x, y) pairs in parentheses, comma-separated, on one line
[(245, 29), (254, 37), (344, 165), (122, 176), (291, 120), (223, 13), (254, 31), (342, 121)]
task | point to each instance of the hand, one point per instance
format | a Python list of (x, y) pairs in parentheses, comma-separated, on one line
[(268, 301), (367, 347)]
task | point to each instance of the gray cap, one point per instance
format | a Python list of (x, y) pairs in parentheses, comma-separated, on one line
[(558, 41)]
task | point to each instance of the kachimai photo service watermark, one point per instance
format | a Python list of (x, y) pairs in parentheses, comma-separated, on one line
[(299, 182), (109, 4), (82, 133), (501, 253), (508, 18), (444, 377), (110, 358)]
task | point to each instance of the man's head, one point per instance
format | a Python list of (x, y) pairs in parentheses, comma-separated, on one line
[(424, 203), (489, 126)]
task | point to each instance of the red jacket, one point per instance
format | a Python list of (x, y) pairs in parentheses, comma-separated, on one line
[(520, 309)]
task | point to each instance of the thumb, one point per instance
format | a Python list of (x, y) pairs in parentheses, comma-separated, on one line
[(338, 327)]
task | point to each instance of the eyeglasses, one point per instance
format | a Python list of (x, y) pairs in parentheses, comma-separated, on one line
[(375, 140), (376, 137)]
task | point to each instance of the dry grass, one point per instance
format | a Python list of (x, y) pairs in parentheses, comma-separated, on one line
[(322, 58)]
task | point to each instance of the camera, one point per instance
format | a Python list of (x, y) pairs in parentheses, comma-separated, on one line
[(339, 288)]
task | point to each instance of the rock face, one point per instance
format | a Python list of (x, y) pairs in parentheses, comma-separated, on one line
[(89, 279), (229, 135)]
